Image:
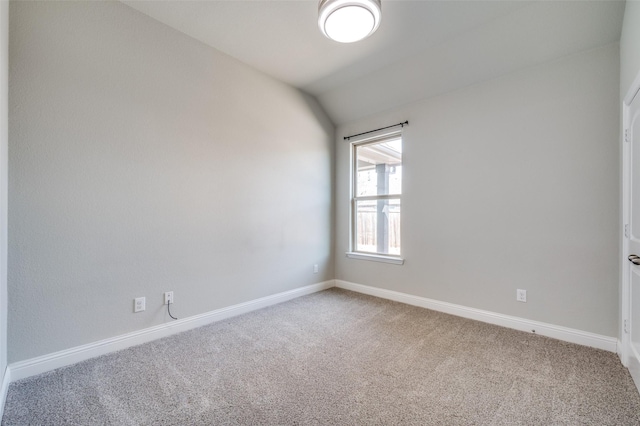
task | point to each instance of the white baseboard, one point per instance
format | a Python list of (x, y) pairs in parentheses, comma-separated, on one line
[(619, 351), (557, 332), (42, 364), (4, 389)]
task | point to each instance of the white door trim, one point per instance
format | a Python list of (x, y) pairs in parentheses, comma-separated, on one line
[(625, 220), (625, 302)]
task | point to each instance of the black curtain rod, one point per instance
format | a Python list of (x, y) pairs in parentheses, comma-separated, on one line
[(346, 138)]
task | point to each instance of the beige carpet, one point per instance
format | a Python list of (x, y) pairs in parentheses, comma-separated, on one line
[(336, 357)]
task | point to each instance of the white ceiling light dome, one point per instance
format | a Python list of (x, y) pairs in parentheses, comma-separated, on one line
[(347, 21)]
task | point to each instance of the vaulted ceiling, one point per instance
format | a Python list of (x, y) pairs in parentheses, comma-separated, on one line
[(422, 48)]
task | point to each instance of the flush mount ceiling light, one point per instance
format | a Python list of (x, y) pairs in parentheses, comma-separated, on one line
[(347, 21)]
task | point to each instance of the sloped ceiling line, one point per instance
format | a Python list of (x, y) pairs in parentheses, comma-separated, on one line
[(422, 48)]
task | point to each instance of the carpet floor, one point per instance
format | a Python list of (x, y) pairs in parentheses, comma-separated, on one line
[(336, 357)]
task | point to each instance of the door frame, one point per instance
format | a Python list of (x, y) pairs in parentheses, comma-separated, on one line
[(625, 300)]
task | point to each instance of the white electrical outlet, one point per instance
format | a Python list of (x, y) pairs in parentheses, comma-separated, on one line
[(139, 304), (168, 297), (315, 268), (521, 295)]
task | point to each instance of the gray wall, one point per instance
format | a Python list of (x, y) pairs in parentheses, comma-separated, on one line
[(143, 161), (630, 46), (508, 184), (4, 134)]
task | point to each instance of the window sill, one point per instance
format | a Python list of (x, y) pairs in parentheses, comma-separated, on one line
[(375, 258)]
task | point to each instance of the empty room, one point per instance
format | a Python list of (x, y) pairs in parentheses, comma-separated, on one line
[(329, 212)]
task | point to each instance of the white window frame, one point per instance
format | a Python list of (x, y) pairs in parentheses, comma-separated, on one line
[(352, 253)]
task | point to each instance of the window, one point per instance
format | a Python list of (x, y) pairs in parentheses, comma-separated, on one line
[(377, 189)]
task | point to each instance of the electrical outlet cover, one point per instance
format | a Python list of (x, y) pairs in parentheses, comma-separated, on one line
[(139, 304)]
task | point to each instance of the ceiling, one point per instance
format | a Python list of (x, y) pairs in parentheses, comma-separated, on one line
[(422, 48)]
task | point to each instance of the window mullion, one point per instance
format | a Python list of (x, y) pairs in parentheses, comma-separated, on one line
[(377, 197)]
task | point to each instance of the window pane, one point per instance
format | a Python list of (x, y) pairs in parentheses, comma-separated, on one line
[(379, 168), (377, 226)]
